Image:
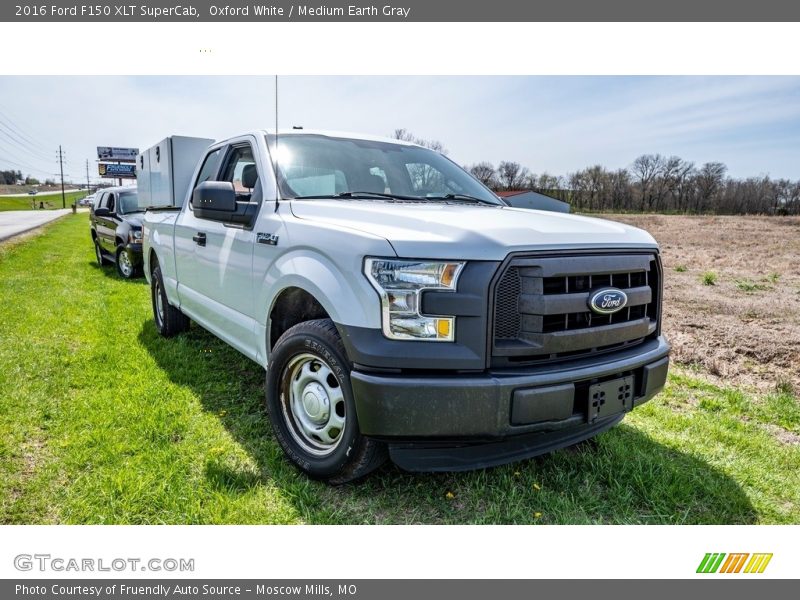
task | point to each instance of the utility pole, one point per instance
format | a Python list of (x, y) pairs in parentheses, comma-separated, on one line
[(61, 168), (88, 188)]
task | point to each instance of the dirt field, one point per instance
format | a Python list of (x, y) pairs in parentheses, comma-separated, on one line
[(732, 295)]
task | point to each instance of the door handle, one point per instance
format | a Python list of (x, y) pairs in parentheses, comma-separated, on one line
[(199, 238)]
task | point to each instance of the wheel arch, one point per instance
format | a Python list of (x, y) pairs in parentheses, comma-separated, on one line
[(292, 305), (341, 294)]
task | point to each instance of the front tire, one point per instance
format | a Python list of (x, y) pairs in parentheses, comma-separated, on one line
[(311, 405), (126, 268), (170, 321)]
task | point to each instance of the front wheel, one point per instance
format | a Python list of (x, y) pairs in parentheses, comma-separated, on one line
[(125, 265), (311, 405)]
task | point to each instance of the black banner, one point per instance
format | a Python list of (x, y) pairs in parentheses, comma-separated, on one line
[(395, 589), (404, 10)]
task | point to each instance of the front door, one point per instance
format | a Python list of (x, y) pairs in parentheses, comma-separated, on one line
[(215, 260), (107, 226)]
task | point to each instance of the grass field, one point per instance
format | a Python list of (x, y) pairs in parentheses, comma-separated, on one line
[(102, 421), (50, 201)]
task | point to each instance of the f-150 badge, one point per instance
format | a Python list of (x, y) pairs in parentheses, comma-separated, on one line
[(267, 238)]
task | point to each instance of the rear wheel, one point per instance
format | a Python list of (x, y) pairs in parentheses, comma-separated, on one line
[(170, 321), (311, 405), (125, 265)]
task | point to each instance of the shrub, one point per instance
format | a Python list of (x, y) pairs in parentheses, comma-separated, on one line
[(709, 278)]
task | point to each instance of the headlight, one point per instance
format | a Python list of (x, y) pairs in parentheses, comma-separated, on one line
[(135, 235), (400, 284)]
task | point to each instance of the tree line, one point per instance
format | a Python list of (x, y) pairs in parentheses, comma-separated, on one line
[(652, 183), (12, 177)]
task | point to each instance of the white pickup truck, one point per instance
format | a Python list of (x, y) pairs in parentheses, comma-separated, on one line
[(398, 306)]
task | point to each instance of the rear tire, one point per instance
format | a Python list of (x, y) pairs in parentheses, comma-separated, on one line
[(170, 321), (311, 405)]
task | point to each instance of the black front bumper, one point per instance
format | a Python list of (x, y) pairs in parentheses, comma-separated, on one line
[(471, 420), (135, 251)]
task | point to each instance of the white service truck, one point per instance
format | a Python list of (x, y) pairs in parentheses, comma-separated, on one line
[(399, 306)]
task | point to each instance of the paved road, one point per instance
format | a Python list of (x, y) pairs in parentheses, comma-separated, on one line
[(14, 222), (43, 193)]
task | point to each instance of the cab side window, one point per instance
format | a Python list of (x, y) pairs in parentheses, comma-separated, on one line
[(109, 203), (240, 169), (98, 200)]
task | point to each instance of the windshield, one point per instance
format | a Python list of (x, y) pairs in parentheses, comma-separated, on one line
[(318, 166), (128, 203)]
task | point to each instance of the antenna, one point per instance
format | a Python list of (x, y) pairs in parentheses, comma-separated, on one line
[(275, 158)]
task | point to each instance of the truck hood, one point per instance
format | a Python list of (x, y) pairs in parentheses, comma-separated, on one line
[(469, 231)]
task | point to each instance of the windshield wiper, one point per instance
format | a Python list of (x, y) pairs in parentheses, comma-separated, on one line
[(161, 207), (357, 195), (460, 198)]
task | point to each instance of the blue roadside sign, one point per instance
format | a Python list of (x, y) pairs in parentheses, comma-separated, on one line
[(124, 171)]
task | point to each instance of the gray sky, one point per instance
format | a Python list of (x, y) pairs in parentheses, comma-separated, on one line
[(553, 124)]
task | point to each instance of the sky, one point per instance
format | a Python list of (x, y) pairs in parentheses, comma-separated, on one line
[(549, 124)]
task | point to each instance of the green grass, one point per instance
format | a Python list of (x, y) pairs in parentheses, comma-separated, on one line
[(51, 201), (680, 268), (102, 421), (709, 278), (747, 285)]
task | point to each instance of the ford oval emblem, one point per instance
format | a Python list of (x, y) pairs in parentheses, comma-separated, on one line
[(608, 301)]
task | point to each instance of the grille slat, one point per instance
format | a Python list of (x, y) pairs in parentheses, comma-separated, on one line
[(542, 312)]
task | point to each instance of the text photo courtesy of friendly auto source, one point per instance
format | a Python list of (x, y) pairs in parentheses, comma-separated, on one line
[(505, 300)]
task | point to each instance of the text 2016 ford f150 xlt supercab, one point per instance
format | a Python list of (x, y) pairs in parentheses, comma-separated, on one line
[(399, 306)]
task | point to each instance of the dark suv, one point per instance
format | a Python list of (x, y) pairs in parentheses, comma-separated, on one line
[(116, 226)]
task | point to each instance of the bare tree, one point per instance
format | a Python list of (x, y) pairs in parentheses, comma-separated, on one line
[(405, 135), (709, 180), (652, 183), (511, 175), (485, 173), (645, 168)]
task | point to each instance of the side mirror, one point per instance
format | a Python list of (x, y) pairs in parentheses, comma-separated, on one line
[(214, 200), (102, 212)]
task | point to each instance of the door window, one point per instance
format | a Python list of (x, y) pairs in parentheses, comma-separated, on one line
[(240, 169), (110, 202)]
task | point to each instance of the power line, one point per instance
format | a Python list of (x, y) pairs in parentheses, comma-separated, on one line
[(15, 150), (24, 166), (9, 133), (21, 132)]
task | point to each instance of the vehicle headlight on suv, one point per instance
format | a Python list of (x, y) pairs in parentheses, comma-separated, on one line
[(135, 236), (400, 284)]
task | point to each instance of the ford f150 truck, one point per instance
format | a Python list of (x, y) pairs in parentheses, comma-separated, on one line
[(400, 307)]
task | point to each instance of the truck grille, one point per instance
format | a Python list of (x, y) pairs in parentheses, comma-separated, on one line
[(541, 305)]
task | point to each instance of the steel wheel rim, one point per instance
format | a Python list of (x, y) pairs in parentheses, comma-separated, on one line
[(313, 404), (159, 303), (125, 264)]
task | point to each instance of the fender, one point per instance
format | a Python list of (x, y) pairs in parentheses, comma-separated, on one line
[(347, 297), (122, 232)]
